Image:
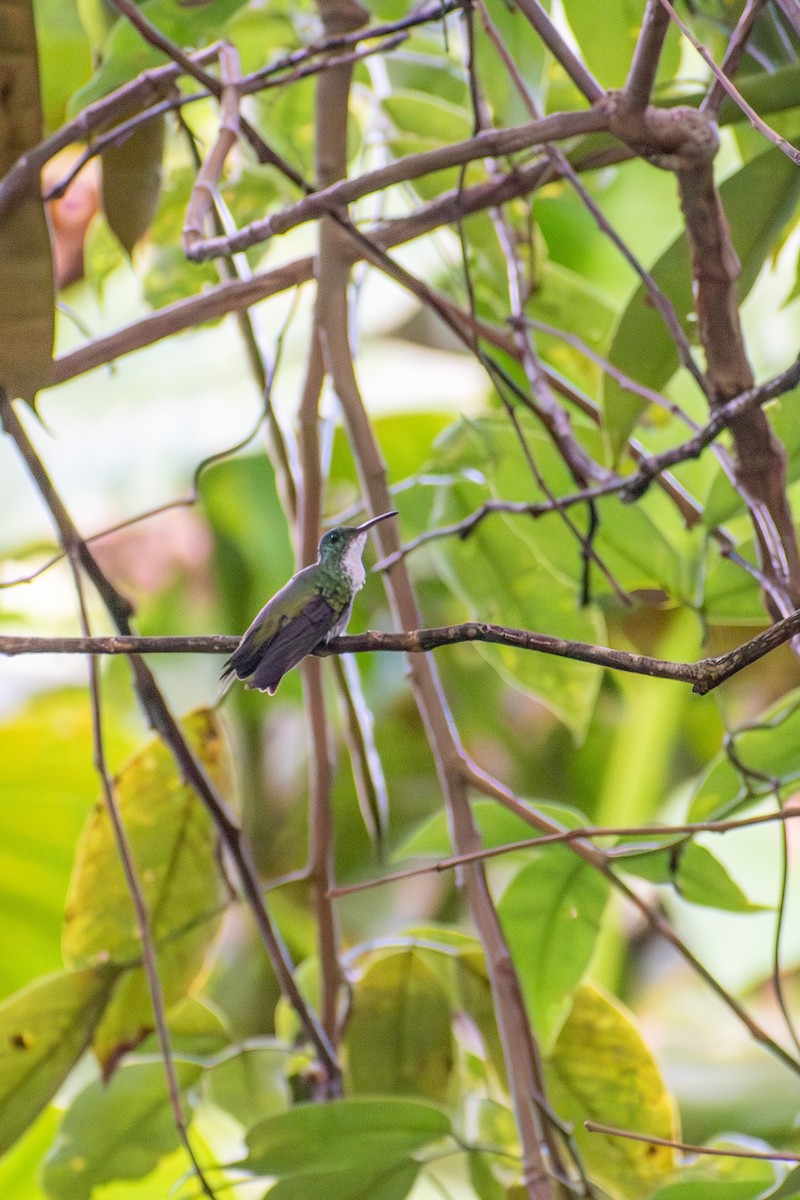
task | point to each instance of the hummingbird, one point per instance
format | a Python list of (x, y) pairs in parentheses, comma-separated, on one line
[(309, 610)]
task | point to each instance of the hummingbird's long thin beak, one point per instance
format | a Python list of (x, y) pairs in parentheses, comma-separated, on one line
[(374, 520)]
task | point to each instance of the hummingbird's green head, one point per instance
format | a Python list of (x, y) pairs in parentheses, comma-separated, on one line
[(345, 544)]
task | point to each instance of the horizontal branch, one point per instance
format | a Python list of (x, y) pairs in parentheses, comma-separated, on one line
[(704, 674), (495, 143)]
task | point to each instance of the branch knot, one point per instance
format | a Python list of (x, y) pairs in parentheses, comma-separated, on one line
[(675, 139)]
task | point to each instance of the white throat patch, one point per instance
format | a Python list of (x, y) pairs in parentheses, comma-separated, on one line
[(352, 564)]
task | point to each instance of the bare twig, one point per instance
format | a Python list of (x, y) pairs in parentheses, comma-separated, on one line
[(688, 1148)]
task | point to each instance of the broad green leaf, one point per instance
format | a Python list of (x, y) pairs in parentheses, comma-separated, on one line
[(398, 1039), (116, 1131), (601, 1070), (765, 750), (696, 873), (388, 1182), (44, 1029), (551, 914), (731, 596), (721, 1178), (40, 819), (174, 848), (126, 54), (498, 827), (196, 1027), (250, 1082), (607, 46), (343, 1134), (702, 879), (723, 501), (27, 290), (64, 58), (642, 346), (428, 117)]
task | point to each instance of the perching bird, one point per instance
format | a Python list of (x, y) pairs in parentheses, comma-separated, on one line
[(313, 607)]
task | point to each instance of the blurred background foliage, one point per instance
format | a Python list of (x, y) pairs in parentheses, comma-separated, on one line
[(586, 746)]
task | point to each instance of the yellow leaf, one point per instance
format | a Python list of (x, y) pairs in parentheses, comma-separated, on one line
[(601, 1070)]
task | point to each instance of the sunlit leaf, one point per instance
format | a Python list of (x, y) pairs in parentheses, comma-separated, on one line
[(398, 1039), (174, 848), (607, 46), (116, 1131), (702, 879), (43, 1032), (601, 1070)]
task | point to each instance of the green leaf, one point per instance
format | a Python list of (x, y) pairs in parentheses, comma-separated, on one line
[(174, 848), (768, 749), (702, 879), (342, 1135), (126, 54), (399, 1039), (43, 1032), (250, 1083), (498, 827), (428, 117), (607, 46), (484, 1182), (115, 1131), (721, 1178), (131, 182), (642, 346), (551, 914), (392, 1182), (601, 1069), (789, 1188)]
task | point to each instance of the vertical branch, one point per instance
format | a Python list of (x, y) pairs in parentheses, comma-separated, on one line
[(521, 1054), (143, 926), (647, 54), (320, 816)]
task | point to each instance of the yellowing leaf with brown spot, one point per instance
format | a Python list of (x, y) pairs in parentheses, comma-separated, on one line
[(174, 848), (44, 1029), (601, 1070)]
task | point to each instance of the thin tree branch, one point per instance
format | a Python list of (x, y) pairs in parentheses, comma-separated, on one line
[(704, 675), (647, 55), (413, 166), (688, 1148)]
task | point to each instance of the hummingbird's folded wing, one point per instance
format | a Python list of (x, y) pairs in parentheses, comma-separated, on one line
[(264, 663)]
